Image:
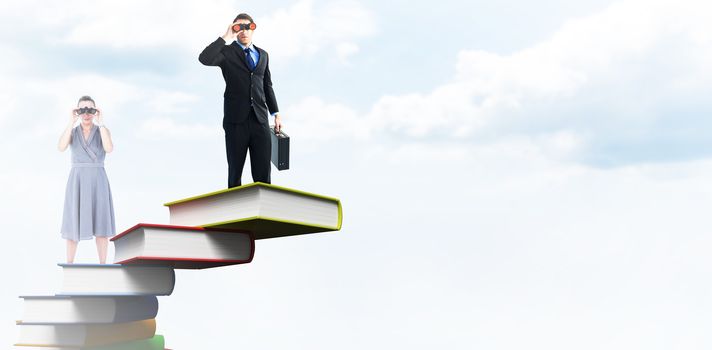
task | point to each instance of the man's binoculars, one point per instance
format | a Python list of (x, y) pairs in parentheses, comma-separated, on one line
[(243, 26), (89, 110)]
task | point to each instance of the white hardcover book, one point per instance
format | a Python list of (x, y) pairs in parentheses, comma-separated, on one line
[(62, 309), (114, 279)]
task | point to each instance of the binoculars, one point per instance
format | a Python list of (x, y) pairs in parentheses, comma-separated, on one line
[(89, 110), (243, 26)]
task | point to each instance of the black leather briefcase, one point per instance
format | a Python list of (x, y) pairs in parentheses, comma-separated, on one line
[(280, 149)]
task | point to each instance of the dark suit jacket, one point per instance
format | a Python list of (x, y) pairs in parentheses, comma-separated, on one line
[(243, 89)]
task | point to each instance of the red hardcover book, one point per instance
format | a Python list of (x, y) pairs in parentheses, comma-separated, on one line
[(183, 247)]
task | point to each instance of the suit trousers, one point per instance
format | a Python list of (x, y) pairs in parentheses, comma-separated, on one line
[(239, 137)]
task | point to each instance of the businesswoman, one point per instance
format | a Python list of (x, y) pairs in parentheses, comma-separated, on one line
[(88, 206)]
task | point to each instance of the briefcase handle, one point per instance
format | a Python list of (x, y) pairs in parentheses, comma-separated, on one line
[(277, 133)]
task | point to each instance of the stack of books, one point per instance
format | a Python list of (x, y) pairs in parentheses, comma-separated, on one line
[(114, 306), (107, 307)]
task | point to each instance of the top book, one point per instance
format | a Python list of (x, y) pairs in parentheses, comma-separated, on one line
[(267, 211)]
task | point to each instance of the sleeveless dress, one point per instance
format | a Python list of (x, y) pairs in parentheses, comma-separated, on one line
[(88, 206)]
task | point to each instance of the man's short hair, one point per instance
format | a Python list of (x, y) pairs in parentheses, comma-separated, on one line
[(243, 16)]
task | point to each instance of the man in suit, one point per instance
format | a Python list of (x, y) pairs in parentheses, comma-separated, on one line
[(248, 99)]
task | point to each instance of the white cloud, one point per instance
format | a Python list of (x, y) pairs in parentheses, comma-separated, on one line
[(138, 24), (597, 57), (346, 50), (167, 129), (12, 61), (170, 102), (8, 105), (589, 51), (305, 28), (313, 119)]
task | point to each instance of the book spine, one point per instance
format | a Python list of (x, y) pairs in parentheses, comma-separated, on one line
[(136, 309), (97, 335)]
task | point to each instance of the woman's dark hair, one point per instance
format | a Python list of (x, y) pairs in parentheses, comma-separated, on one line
[(243, 16), (86, 98)]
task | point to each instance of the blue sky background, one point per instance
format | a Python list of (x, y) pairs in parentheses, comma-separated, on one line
[(514, 175)]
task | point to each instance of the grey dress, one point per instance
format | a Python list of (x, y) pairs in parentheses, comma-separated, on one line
[(88, 207)]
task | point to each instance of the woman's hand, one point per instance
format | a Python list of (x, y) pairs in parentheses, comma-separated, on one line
[(66, 137), (74, 116), (105, 134), (98, 117)]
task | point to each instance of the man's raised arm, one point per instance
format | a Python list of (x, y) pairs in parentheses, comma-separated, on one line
[(212, 54)]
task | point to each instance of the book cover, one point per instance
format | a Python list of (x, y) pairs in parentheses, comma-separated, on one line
[(114, 279), (155, 343), (63, 309), (183, 247), (84, 335), (265, 210)]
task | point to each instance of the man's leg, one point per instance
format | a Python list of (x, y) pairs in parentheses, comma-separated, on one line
[(260, 150), (236, 141)]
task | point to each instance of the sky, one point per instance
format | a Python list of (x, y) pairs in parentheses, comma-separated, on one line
[(513, 174)]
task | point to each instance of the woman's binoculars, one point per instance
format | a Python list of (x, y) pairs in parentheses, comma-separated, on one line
[(89, 110)]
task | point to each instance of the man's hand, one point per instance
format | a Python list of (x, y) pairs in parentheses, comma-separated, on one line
[(277, 124), (230, 34)]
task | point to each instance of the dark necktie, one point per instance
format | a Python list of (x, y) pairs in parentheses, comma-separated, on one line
[(250, 61)]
